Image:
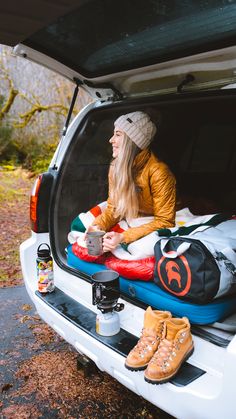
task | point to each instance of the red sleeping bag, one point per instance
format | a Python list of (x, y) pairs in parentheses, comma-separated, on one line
[(82, 253), (142, 269)]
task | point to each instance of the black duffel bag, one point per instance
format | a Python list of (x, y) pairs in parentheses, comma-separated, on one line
[(187, 269)]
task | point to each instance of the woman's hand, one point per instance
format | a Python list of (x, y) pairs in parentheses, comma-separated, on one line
[(111, 240)]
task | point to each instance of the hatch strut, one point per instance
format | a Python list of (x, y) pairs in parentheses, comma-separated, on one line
[(72, 104)]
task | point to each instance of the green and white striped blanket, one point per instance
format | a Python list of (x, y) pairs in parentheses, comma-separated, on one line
[(186, 223)]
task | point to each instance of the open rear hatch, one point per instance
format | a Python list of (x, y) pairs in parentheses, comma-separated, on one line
[(122, 49)]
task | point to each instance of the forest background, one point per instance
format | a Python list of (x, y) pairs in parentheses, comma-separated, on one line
[(34, 103)]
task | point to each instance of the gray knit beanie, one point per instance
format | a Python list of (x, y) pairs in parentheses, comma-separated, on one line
[(138, 126)]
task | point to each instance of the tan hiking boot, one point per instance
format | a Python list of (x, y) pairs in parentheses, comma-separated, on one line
[(175, 347), (147, 345)]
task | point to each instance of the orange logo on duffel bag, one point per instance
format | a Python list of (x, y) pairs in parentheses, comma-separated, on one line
[(172, 271), (177, 271)]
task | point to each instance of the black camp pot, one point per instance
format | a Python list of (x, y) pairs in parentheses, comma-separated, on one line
[(106, 290)]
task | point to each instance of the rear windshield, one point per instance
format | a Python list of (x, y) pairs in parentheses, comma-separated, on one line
[(108, 36)]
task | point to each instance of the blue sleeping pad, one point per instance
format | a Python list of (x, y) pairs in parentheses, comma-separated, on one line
[(150, 294)]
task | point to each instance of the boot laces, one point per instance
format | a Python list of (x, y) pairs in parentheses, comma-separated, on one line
[(164, 353), (147, 341)]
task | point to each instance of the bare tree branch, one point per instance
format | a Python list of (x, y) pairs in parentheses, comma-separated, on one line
[(11, 94), (27, 116)]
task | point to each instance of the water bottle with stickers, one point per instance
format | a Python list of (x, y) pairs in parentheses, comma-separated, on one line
[(44, 264)]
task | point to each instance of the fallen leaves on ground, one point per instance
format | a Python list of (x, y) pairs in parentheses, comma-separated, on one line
[(24, 319), (15, 187), (43, 333), (26, 307), (23, 411), (6, 387), (92, 397)]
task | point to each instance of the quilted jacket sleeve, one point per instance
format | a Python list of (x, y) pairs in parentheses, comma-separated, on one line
[(163, 191)]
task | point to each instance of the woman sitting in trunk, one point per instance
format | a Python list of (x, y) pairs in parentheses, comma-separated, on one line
[(139, 184)]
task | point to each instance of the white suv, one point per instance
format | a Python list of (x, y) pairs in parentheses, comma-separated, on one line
[(175, 60)]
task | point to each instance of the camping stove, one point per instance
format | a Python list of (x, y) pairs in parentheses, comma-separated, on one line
[(106, 292)]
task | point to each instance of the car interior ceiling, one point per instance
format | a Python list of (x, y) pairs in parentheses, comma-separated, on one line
[(196, 138)]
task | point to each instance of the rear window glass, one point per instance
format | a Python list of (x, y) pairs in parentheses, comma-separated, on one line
[(106, 36)]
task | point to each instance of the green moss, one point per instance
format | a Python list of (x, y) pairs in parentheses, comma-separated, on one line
[(8, 167), (32, 152)]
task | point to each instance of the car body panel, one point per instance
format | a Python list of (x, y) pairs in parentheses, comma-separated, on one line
[(212, 393)]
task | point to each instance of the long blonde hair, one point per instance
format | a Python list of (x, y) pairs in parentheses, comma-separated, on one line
[(123, 194)]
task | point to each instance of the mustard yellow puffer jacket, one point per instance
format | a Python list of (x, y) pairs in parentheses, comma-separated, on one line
[(156, 196)]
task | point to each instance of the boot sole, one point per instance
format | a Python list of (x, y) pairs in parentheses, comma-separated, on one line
[(136, 368), (166, 379)]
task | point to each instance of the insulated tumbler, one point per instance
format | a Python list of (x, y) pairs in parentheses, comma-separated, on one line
[(94, 242)]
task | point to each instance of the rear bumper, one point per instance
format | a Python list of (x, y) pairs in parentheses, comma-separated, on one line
[(209, 396)]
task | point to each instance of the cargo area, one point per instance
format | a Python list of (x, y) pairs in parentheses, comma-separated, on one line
[(196, 137)]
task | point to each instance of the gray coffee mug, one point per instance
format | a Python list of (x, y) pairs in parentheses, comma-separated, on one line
[(94, 242)]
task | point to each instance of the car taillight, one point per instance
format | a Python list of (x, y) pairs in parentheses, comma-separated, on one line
[(40, 203), (34, 202)]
